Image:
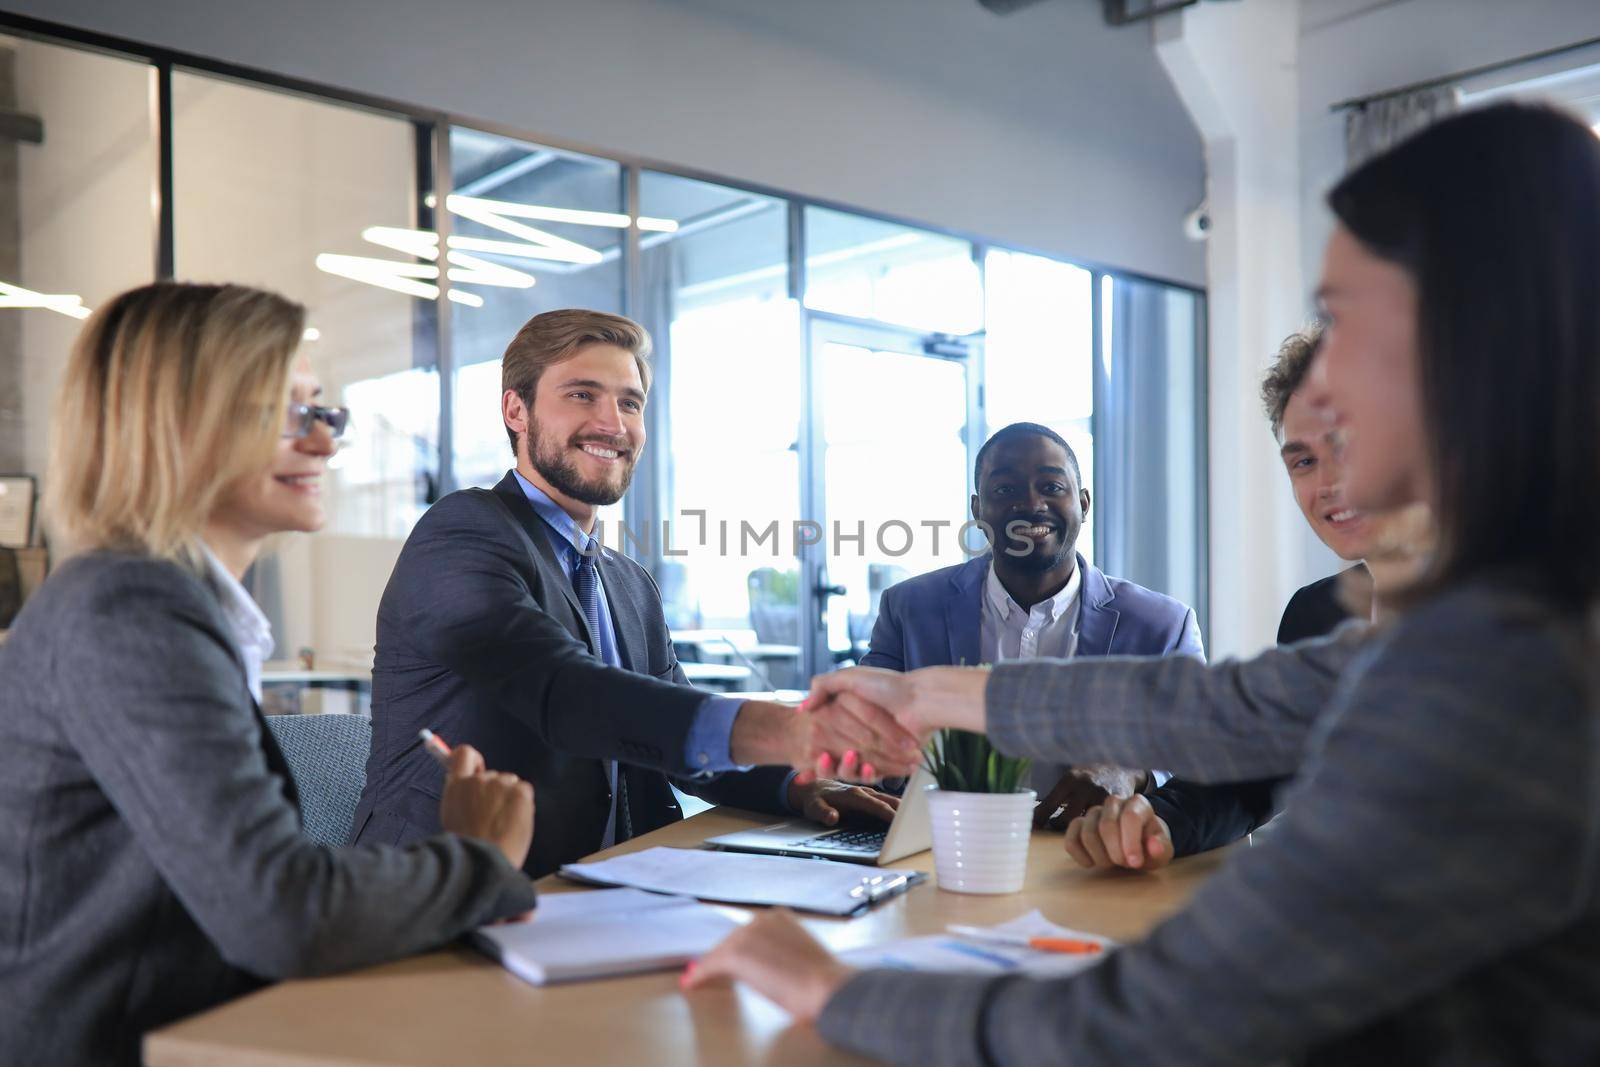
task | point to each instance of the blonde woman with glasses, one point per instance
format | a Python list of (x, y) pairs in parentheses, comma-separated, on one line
[(151, 861)]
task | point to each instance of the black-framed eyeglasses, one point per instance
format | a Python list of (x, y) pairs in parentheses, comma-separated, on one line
[(300, 419)]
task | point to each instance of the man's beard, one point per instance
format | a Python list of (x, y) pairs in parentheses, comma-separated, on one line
[(551, 461), (1035, 560)]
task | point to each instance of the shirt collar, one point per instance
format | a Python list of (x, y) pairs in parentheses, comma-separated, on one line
[(556, 516), (1003, 605), (245, 618)]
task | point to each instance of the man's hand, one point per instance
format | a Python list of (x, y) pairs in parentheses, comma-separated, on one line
[(1122, 832), (829, 802), (1072, 795), (917, 702), (488, 805), (778, 959), (861, 747)]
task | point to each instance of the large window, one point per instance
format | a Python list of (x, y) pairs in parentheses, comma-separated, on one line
[(870, 269), (715, 293), (823, 378), (1152, 455), (531, 229), (1039, 355)]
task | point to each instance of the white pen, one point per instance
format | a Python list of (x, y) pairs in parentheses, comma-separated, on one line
[(435, 746)]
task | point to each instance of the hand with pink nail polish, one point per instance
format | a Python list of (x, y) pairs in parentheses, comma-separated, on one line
[(775, 955)]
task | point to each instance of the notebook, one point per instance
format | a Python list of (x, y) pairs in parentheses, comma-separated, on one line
[(823, 886), (606, 932)]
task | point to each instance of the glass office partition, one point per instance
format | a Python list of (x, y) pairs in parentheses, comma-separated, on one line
[(333, 203), (531, 229), (715, 294), (894, 473), (306, 198), (870, 269), (77, 171)]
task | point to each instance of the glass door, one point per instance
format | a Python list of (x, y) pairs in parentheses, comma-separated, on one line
[(894, 423)]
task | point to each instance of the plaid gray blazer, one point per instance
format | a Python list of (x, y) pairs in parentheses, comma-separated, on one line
[(1428, 897)]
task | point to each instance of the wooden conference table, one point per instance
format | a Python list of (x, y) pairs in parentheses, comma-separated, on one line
[(454, 1006)]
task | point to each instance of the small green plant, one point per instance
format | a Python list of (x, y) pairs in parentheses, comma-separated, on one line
[(965, 762)]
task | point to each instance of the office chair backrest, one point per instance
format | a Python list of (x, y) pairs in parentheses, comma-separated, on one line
[(327, 757)]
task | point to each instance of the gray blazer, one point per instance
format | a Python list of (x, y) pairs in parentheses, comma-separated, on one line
[(1429, 897), (151, 861)]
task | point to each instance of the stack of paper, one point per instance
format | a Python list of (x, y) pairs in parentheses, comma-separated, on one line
[(736, 878), (979, 955), (605, 932)]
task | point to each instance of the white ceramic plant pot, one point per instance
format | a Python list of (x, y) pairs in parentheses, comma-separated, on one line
[(980, 840)]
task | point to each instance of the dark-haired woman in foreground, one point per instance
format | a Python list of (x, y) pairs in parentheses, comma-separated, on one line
[(151, 861), (1430, 895)]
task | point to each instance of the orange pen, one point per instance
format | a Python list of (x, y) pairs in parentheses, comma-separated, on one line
[(1070, 945)]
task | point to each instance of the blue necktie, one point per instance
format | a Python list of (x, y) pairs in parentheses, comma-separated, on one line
[(586, 583)]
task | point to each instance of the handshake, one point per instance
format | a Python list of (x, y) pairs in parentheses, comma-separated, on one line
[(861, 724)]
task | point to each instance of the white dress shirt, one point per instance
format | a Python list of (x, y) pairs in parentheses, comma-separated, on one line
[(1048, 630), (251, 631)]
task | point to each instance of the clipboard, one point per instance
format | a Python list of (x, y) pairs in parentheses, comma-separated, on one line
[(823, 887)]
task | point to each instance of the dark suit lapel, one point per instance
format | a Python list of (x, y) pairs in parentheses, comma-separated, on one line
[(543, 539), (963, 612), (1097, 619)]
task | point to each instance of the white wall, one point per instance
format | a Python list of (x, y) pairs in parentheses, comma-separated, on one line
[(1046, 128)]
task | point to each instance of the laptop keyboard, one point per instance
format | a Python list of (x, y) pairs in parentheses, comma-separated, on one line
[(867, 841)]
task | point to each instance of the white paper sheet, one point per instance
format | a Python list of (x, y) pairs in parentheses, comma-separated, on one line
[(950, 952)]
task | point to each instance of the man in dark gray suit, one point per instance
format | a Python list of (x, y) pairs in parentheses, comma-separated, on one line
[(506, 626)]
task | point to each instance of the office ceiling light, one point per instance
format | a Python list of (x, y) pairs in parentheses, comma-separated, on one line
[(463, 267), (15, 296), (311, 333), (457, 203), (408, 278)]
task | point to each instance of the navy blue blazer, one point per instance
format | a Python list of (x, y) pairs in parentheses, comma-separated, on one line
[(480, 637), (935, 620)]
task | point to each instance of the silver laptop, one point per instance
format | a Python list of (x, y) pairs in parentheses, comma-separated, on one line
[(908, 833)]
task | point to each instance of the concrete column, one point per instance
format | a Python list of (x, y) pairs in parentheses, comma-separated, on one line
[(1234, 66)]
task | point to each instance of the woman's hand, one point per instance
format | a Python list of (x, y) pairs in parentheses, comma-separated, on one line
[(1122, 832), (488, 805), (919, 701), (774, 955)]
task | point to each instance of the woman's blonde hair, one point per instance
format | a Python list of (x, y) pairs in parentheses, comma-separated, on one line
[(172, 393)]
